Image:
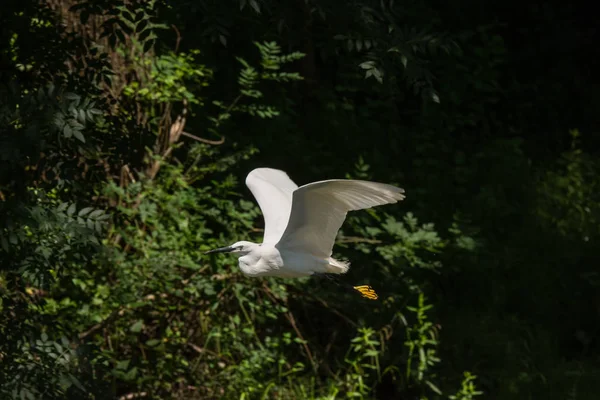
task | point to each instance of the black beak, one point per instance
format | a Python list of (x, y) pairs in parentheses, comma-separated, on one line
[(221, 250)]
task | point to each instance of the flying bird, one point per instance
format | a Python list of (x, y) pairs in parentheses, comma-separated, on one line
[(301, 224)]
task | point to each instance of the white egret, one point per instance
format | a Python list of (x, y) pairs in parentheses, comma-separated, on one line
[(301, 224)]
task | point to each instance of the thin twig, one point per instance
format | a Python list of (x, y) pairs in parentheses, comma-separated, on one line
[(93, 329), (352, 239), (201, 350), (233, 104), (331, 340), (178, 38), (99, 325), (335, 311), (292, 321), (202, 140)]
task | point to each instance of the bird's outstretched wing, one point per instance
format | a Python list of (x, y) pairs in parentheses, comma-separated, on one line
[(319, 209), (272, 189)]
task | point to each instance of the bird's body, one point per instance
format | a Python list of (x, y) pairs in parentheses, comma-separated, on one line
[(267, 260), (301, 223)]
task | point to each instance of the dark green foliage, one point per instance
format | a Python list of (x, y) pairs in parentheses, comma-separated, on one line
[(126, 132)]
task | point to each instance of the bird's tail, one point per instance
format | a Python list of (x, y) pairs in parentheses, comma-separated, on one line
[(337, 266), (366, 291)]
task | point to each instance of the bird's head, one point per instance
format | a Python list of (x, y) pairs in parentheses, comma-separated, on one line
[(240, 248)]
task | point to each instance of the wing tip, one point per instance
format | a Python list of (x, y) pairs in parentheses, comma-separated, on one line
[(394, 190), (399, 194), (396, 193)]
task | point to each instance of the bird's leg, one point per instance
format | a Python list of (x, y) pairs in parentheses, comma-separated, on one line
[(365, 291)]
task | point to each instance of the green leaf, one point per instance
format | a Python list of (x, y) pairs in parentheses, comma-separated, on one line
[(84, 211), (254, 4), (152, 342), (137, 326), (433, 387), (131, 374), (359, 44), (71, 96), (79, 136), (76, 382), (96, 214), (67, 131), (123, 364), (367, 65)]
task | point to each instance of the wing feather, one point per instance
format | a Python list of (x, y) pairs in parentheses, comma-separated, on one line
[(319, 210), (272, 189)]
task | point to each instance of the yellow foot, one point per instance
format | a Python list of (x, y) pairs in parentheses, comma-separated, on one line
[(366, 291)]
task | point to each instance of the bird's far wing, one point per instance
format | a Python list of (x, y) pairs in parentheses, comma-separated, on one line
[(272, 189), (319, 209)]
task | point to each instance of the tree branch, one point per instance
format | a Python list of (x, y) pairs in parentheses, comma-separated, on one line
[(202, 140)]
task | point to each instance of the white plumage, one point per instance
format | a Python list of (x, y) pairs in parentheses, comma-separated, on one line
[(301, 223), (273, 190)]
